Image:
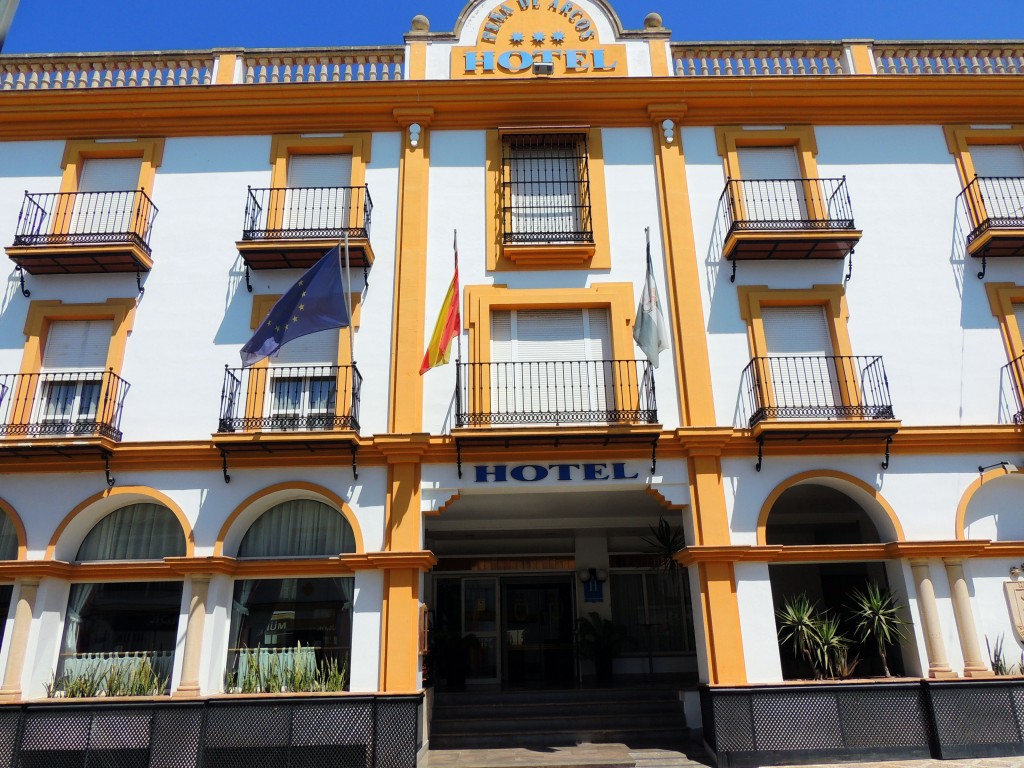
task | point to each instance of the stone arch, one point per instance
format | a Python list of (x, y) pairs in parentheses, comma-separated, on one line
[(79, 521), (238, 522), (995, 488), (19, 528)]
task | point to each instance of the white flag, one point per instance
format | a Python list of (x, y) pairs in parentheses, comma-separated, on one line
[(649, 331)]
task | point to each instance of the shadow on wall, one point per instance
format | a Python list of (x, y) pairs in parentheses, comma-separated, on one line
[(996, 511)]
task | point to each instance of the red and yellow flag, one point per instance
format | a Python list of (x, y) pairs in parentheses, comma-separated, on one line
[(448, 326)]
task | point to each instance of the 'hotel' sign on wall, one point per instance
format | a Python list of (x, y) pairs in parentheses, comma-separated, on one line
[(518, 34)]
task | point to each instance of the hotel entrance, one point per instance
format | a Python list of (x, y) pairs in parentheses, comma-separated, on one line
[(513, 631)]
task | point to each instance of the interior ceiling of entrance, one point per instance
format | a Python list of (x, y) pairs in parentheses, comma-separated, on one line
[(544, 523)]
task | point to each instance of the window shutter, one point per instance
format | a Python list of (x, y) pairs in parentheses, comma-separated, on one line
[(320, 348), (77, 345), (1018, 312), (796, 331), (501, 337), (549, 335), (998, 160), (319, 171), (769, 163), (110, 174)]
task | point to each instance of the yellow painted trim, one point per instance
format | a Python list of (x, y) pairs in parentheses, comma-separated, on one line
[(729, 138), (140, 492), (76, 151), (226, 68), (19, 528), (965, 500), (417, 61), (326, 495), (660, 63), (537, 256), (1001, 298), (862, 61), (804, 477), (482, 300), (832, 297), (959, 139)]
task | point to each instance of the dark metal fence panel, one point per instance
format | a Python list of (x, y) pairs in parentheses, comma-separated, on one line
[(993, 202), (305, 213), (70, 403), (545, 189), (816, 387), (75, 218), (270, 732), (301, 398), (556, 392), (1014, 373), (786, 204)]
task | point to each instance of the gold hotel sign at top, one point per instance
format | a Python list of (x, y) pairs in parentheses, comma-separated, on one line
[(518, 34)]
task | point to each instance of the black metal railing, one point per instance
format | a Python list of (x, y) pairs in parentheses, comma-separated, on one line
[(82, 218), (555, 392), (545, 189), (347, 731), (994, 202), (70, 403), (302, 398), (307, 213), (781, 205), (1014, 371), (816, 387)]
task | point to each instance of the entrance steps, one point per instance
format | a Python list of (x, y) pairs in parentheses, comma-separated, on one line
[(649, 717)]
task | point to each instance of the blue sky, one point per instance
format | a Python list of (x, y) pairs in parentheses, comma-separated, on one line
[(123, 25)]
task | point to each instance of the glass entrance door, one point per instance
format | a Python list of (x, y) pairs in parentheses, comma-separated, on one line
[(480, 620), (537, 636)]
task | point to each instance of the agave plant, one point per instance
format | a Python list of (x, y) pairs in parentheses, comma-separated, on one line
[(831, 646), (877, 612), (799, 627), (665, 541)]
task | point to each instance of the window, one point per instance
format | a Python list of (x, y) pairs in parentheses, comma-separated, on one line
[(114, 632), (105, 203), (990, 162), (71, 376), (773, 188), (1007, 303), (546, 189), (653, 607), (303, 382), (300, 528), (801, 362), (547, 192), (318, 195)]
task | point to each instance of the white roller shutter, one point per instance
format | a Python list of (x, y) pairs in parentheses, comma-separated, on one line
[(545, 192), (77, 345), (998, 160), (1018, 312), (771, 187), (801, 369), (110, 174), (320, 348), (318, 196)]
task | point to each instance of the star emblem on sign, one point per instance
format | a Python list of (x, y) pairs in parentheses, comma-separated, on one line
[(538, 38), (517, 38), (557, 37)]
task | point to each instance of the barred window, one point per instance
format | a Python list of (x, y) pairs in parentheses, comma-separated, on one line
[(546, 189)]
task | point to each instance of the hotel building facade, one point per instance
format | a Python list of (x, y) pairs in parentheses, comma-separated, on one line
[(836, 233)]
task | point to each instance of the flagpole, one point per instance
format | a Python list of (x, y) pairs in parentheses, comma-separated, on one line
[(346, 286)]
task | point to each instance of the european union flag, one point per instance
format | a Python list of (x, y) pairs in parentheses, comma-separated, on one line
[(315, 303)]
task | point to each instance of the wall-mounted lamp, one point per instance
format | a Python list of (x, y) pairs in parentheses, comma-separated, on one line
[(1015, 570), (1006, 465), (669, 129), (543, 68), (414, 135), (592, 574)]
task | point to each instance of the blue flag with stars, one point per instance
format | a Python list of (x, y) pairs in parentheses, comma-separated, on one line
[(316, 302)]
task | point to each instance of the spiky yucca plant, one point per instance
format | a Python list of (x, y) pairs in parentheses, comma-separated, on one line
[(877, 612), (799, 627)]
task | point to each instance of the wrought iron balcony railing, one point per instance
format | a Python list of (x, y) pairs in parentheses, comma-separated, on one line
[(1014, 371), (83, 218), (563, 392), (303, 398), (307, 213), (785, 205), (816, 388), (70, 403), (994, 202)]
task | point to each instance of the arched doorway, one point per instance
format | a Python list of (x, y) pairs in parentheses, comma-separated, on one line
[(823, 513)]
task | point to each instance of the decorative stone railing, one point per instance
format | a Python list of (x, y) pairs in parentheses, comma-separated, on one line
[(63, 72), (326, 66), (757, 59), (949, 58)]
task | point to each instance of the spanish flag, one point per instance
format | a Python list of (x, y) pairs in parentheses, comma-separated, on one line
[(448, 326)]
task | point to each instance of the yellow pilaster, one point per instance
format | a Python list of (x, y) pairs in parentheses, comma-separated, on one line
[(410, 275), (401, 611), (23, 613)]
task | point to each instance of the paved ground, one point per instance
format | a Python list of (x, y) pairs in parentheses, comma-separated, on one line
[(621, 756)]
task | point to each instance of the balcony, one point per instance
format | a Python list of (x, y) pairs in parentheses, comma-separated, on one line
[(995, 206), (1014, 373), (566, 393), (71, 404), (293, 228), (81, 232), (786, 219), (827, 395)]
